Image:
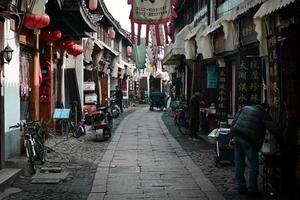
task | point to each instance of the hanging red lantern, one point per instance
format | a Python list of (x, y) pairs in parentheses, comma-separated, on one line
[(78, 50), (55, 35), (75, 50), (50, 35), (32, 21), (129, 51), (111, 33), (93, 4), (68, 43), (45, 35)]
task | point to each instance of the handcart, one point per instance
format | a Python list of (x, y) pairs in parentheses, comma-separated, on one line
[(157, 100), (223, 151)]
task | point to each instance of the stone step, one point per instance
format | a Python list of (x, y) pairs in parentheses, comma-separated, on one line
[(7, 176)]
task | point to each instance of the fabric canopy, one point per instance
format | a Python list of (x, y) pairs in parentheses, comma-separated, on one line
[(270, 6), (153, 12), (140, 54)]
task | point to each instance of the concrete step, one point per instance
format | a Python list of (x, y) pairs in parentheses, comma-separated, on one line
[(17, 162), (7, 176)]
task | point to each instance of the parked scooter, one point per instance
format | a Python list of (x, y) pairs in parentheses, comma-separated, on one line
[(115, 109), (102, 122), (80, 128)]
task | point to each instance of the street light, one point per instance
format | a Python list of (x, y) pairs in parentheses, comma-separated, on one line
[(6, 55)]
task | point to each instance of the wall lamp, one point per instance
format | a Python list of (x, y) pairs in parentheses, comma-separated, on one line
[(6, 55)]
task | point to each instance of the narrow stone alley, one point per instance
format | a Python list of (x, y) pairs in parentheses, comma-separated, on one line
[(147, 158)]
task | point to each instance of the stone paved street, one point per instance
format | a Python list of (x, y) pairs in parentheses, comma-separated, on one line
[(144, 161), (77, 156), (202, 153), (147, 158)]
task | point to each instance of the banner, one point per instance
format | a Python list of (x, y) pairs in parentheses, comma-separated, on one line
[(153, 12)]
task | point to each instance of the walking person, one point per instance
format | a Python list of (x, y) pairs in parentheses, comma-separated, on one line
[(248, 131), (119, 98), (194, 114)]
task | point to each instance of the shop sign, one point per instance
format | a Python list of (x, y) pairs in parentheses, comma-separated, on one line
[(274, 78), (212, 77), (249, 82), (222, 92)]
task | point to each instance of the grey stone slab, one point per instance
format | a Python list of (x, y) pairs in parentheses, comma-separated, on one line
[(98, 188), (61, 175), (46, 180), (96, 196), (9, 191)]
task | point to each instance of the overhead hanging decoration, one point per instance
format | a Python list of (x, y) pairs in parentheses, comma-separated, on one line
[(93, 4), (33, 21), (75, 50), (153, 12), (50, 35), (111, 33)]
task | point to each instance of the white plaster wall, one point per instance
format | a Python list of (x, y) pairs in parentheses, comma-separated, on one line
[(77, 63), (11, 80), (11, 94)]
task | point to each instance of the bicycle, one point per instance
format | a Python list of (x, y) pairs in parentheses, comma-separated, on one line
[(35, 150), (181, 120)]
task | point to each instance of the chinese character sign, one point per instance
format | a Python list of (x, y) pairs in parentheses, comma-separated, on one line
[(249, 82), (153, 12), (222, 95)]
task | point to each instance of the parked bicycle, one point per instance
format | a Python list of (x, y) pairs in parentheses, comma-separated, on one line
[(181, 119), (33, 142)]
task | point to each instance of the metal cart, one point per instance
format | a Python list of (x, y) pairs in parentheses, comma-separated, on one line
[(221, 139)]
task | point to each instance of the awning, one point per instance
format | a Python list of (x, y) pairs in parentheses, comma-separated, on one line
[(245, 6), (108, 48), (173, 52), (89, 48), (217, 24), (99, 44), (172, 56), (204, 46), (270, 6), (180, 40), (199, 28)]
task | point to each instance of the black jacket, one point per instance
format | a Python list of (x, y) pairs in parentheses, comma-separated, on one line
[(251, 122)]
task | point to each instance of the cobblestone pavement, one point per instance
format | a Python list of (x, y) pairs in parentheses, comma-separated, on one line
[(144, 162), (79, 157), (202, 153)]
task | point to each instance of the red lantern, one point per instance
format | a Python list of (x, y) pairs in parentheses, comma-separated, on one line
[(32, 21), (50, 35), (111, 33), (93, 4), (68, 43), (61, 44), (45, 35), (129, 51), (75, 50), (55, 35)]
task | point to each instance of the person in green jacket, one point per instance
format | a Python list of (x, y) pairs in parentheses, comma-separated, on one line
[(248, 131)]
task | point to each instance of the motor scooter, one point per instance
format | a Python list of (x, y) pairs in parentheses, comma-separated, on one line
[(115, 109), (102, 122)]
